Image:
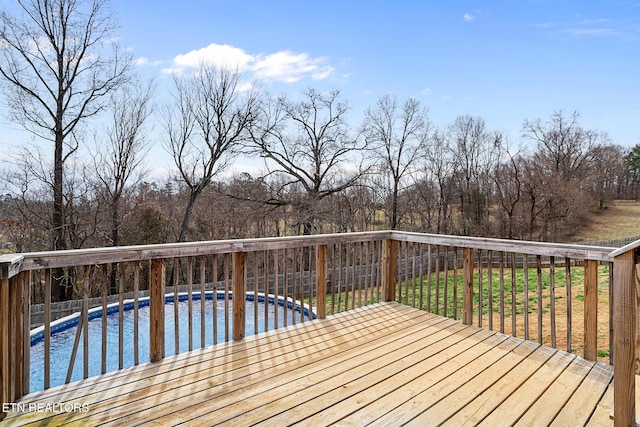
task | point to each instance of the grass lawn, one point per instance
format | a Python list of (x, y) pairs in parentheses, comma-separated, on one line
[(615, 222)]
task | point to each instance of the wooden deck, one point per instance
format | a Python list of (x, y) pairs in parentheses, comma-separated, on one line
[(385, 364)]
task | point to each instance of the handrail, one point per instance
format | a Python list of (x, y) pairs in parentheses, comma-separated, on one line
[(11, 265), (598, 253), (76, 257)]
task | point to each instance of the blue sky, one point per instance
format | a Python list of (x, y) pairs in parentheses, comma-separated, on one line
[(503, 60)]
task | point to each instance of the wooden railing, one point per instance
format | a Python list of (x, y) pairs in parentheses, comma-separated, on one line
[(527, 289)]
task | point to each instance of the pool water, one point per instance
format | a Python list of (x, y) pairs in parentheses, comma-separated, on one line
[(62, 340)]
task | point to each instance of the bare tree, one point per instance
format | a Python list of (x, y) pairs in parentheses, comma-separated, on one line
[(57, 72), (400, 137), (309, 148), (607, 174), (28, 182), (564, 169), (562, 144), (508, 177), (120, 150), (476, 153), (206, 125), (439, 171)]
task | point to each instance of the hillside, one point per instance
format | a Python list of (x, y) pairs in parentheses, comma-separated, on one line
[(618, 221)]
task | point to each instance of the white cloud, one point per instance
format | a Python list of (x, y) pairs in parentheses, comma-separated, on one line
[(595, 32), (284, 66), (323, 73), (468, 17), (244, 87), (221, 55), (426, 91), (141, 61), (599, 27)]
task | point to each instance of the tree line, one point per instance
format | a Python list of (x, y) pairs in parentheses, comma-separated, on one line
[(62, 70)]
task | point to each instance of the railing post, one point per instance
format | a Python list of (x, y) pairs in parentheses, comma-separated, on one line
[(5, 310), (321, 281), (156, 309), (16, 337), (389, 269), (625, 363), (12, 330), (591, 309), (467, 289), (239, 300)]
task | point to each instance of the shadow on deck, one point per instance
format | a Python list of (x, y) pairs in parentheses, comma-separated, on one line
[(385, 364)]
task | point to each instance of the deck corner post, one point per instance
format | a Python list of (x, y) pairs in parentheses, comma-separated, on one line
[(321, 281), (239, 300), (591, 309), (156, 309), (19, 354), (4, 344), (14, 326), (389, 268), (467, 290), (625, 283)]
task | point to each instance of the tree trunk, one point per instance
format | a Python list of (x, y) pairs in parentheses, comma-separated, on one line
[(57, 218), (187, 216), (394, 206), (115, 241)]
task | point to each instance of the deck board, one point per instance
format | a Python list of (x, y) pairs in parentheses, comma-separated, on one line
[(385, 364), (518, 401)]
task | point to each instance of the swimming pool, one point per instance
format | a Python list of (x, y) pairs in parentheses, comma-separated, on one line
[(63, 334)]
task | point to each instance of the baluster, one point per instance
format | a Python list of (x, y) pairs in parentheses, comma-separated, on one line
[(567, 272), (176, 305), (445, 297), (214, 298), (321, 281), (467, 290), (480, 290), (525, 268), (190, 300), (47, 328), (513, 294), (276, 285), (490, 287), (539, 274), (502, 296), (203, 278), (552, 297), (136, 298), (121, 279), (429, 268), (266, 289)]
